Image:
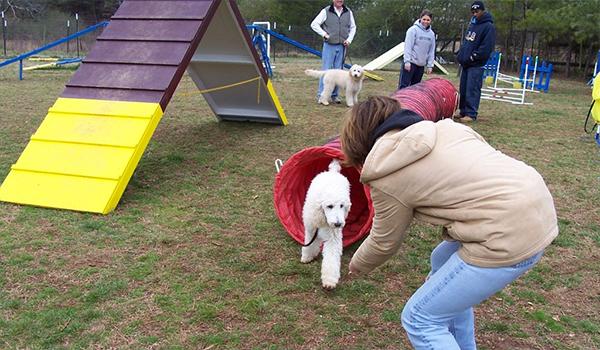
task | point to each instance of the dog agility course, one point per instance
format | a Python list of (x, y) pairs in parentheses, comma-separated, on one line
[(85, 151), (199, 253)]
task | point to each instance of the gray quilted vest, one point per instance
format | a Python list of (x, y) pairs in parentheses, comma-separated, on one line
[(338, 28)]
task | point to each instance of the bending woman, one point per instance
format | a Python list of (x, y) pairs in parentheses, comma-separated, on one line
[(496, 212)]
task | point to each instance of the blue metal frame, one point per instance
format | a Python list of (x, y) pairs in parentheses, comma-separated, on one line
[(491, 66), (260, 29), (259, 41), (21, 57), (543, 73)]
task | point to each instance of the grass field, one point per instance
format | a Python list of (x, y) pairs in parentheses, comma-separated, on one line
[(194, 256)]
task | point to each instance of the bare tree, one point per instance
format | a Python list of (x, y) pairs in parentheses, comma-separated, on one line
[(23, 8)]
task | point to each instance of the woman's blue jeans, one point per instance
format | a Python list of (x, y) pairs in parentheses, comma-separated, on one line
[(440, 313)]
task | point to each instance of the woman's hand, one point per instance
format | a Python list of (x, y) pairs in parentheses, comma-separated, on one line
[(429, 70), (352, 271), (407, 67)]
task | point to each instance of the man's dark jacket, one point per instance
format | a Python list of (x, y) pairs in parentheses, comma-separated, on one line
[(479, 42)]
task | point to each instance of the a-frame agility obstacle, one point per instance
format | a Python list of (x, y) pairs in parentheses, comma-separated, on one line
[(86, 149)]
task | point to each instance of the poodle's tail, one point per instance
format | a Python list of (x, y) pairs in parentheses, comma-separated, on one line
[(335, 166), (314, 73)]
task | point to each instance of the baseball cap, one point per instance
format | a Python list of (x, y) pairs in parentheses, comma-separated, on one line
[(477, 5)]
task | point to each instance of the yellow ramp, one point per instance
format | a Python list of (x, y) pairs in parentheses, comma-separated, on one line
[(83, 155)]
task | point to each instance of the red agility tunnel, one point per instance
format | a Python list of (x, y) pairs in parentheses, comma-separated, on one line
[(433, 99), (293, 181)]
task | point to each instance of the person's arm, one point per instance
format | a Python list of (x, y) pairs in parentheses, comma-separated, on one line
[(409, 41), (392, 219), (352, 30), (317, 22), (486, 46), (431, 55)]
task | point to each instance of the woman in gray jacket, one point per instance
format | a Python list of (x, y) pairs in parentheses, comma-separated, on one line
[(419, 51), (496, 212)]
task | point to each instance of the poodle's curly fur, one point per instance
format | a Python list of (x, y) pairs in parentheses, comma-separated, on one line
[(351, 81), (324, 213)]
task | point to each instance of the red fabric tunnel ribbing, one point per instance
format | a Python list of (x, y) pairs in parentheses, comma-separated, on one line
[(433, 99), (293, 181)]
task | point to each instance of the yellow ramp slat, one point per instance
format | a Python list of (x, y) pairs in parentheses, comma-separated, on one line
[(104, 130), (57, 191), (92, 160), (82, 155), (103, 107)]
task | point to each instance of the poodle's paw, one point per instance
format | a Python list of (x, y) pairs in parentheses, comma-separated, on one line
[(329, 281), (350, 104), (324, 102), (329, 284)]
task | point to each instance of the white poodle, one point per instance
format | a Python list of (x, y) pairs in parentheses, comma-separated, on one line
[(324, 215), (351, 81)]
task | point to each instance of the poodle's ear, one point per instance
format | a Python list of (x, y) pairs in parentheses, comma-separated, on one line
[(321, 214)]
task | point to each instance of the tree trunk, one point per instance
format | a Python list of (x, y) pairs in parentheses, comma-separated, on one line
[(462, 37), (509, 39), (520, 58), (569, 58), (581, 55), (589, 58), (443, 45), (454, 45), (524, 36)]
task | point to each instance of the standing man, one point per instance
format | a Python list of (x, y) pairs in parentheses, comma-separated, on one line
[(335, 24), (474, 52)]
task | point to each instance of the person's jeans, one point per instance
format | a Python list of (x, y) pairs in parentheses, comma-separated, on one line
[(332, 57), (471, 79), (412, 77), (440, 313)]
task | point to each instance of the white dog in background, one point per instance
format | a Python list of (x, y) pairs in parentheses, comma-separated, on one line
[(350, 81), (324, 215)]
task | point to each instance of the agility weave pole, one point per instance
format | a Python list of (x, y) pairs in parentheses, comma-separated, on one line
[(433, 99), (510, 95)]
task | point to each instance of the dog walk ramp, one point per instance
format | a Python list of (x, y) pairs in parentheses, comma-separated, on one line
[(85, 151)]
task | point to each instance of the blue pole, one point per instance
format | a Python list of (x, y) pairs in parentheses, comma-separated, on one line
[(20, 69), (52, 44), (289, 41)]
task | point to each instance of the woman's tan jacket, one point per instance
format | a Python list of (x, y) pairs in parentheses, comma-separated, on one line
[(445, 173)]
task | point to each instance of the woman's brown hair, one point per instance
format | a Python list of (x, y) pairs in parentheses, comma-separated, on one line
[(426, 13), (359, 125)]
